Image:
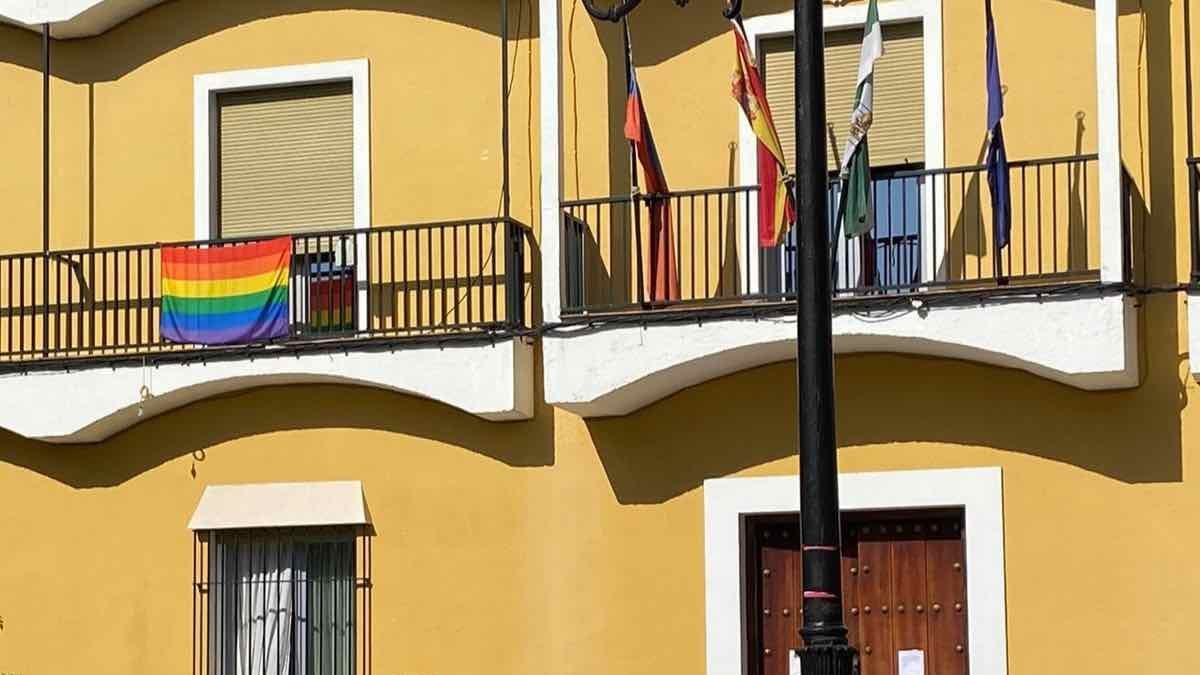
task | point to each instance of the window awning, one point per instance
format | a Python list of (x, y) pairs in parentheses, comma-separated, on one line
[(228, 507)]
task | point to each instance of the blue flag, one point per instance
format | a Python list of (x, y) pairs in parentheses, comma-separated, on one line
[(997, 156)]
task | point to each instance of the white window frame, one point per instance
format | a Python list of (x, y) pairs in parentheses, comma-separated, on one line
[(979, 492), (207, 86), (929, 14)]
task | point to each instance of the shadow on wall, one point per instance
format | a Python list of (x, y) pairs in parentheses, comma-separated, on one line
[(747, 419), (172, 24), (195, 428)]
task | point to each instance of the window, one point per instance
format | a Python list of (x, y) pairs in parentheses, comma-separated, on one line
[(888, 257), (903, 586), (282, 601), (285, 151), (285, 160)]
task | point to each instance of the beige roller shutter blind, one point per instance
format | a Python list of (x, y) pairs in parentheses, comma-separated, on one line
[(286, 160), (898, 133)]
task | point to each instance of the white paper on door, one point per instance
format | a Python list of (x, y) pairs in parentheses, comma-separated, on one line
[(911, 661)]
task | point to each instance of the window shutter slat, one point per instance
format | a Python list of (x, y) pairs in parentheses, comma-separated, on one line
[(286, 160), (898, 133)]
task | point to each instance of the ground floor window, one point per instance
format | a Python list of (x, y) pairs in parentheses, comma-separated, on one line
[(282, 602), (903, 583)]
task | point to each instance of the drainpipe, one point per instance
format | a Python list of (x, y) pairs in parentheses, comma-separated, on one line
[(504, 141), (45, 188)]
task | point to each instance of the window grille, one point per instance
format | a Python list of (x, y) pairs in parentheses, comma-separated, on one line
[(282, 602)]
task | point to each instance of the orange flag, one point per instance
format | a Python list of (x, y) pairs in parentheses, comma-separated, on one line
[(776, 210), (661, 276)]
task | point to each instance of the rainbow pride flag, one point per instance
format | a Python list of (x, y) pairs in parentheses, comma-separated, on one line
[(226, 295)]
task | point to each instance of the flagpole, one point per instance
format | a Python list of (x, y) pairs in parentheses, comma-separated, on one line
[(634, 189), (628, 43), (826, 650), (837, 234)]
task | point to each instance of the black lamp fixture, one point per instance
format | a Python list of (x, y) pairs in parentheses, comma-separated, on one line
[(621, 9)]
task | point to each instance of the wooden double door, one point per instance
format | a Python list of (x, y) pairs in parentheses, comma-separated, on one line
[(903, 585)]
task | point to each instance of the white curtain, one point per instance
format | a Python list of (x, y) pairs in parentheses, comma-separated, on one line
[(281, 606), (266, 616)]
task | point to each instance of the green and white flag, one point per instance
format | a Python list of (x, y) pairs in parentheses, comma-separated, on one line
[(856, 162)]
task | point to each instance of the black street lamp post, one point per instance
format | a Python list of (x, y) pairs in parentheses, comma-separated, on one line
[(826, 650)]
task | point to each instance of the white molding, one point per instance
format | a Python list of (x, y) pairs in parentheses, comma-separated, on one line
[(491, 381), (929, 12), (978, 491), (205, 90), (549, 23), (1193, 313), (617, 370), (249, 506), (1108, 108), (72, 18)]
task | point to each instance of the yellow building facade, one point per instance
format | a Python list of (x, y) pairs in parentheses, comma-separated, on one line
[(553, 471)]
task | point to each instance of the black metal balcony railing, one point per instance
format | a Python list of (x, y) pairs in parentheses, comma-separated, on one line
[(434, 280), (933, 232)]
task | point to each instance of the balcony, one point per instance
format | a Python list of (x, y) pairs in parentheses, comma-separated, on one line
[(928, 280), (916, 249), (438, 310)]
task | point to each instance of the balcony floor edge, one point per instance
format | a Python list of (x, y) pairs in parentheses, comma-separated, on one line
[(493, 381), (1085, 341)]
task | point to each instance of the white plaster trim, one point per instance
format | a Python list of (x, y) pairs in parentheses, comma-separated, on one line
[(978, 491), (1087, 342), (231, 507), (72, 18), (36, 12), (1108, 110), (492, 381), (549, 22), (204, 101), (1193, 313), (929, 12)]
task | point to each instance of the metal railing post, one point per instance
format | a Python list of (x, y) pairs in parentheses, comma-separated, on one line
[(514, 273), (635, 206)]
